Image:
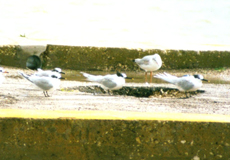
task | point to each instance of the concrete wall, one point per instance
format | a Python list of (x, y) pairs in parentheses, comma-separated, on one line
[(16, 56), (112, 139), (61, 135), (111, 59), (92, 58)]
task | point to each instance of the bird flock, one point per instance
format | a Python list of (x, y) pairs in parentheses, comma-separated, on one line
[(48, 80)]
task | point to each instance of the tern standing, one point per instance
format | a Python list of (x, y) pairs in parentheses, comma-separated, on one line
[(44, 83), (149, 63)]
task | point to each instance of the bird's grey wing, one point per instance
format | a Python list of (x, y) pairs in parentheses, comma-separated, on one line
[(43, 83), (185, 84), (143, 61), (108, 83)]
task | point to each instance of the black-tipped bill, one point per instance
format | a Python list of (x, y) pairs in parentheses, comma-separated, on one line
[(62, 72), (61, 78), (129, 78)]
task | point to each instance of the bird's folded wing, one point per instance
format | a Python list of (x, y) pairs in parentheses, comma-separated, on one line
[(43, 82), (185, 84), (143, 61), (109, 83)]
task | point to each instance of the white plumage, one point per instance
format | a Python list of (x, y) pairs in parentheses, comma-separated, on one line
[(109, 82), (45, 83), (48, 73), (184, 83), (149, 63)]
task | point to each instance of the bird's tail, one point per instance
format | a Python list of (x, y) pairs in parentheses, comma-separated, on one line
[(24, 75), (167, 77), (91, 77)]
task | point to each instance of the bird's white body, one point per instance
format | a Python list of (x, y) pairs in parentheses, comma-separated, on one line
[(47, 73), (45, 83), (185, 83), (149, 63), (42, 73), (109, 82)]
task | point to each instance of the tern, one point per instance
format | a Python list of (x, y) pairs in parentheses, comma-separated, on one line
[(45, 83), (149, 63), (2, 78), (185, 83), (109, 82), (48, 73)]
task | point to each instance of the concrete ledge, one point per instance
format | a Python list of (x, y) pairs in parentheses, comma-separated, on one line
[(112, 135), (111, 59)]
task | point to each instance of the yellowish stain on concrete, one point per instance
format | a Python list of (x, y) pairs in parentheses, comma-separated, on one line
[(112, 115)]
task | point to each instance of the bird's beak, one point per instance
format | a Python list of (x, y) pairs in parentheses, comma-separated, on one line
[(62, 78), (129, 78), (205, 80), (62, 72)]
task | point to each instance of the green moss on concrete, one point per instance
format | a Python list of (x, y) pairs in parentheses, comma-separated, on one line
[(13, 56), (92, 58), (112, 59), (8, 55), (108, 139), (215, 59)]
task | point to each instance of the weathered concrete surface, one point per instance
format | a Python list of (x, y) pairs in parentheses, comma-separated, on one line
[(32, 49), (17, 55), (68, 137), (75, 125), (111, 59)]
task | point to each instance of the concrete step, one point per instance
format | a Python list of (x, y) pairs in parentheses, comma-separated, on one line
[(30, 134)]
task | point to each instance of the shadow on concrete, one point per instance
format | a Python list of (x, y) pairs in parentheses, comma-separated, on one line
[(159, 92)]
